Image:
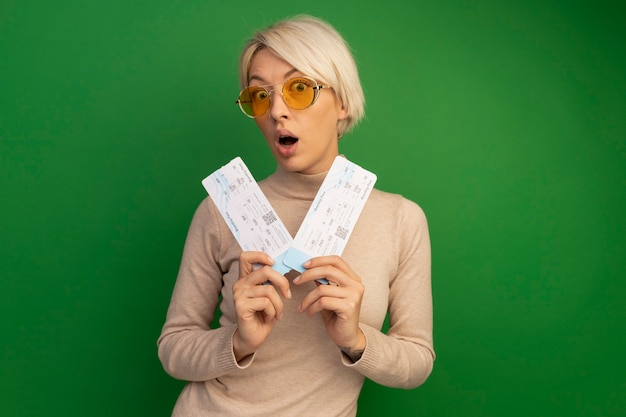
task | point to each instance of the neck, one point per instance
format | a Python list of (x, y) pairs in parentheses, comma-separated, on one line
[(294, 184)]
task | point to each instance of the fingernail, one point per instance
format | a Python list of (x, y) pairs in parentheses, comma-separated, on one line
[(297, 279), (289, 294), (307, 264)]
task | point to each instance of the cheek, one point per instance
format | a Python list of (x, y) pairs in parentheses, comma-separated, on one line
[(327, 119), (263, 127), (332, 111)]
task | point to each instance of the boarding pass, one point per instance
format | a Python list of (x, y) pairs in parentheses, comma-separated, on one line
[(325, 229), (248, 213)]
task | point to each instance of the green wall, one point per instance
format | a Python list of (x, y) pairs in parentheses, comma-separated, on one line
[(504, 120)]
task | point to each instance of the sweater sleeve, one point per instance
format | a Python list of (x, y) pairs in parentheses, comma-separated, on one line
[(404, 357), (188, 348)]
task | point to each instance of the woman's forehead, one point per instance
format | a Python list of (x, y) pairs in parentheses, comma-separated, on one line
[(267, 67)]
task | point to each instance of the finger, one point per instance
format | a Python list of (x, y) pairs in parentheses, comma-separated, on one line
[(255, 266), (326, 304), (278, 280), (263, 298), (341, 307), (325, 274), (248, 260), (266, 275), (321, 292), (333, 260), (260, 305), (338, 274)]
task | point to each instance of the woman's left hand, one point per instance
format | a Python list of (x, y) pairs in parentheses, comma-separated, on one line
[(339, 302)]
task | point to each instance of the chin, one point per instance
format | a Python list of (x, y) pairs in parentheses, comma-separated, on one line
[(290, 165)]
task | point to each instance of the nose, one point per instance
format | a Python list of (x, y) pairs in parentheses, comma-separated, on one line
[(278, 107)]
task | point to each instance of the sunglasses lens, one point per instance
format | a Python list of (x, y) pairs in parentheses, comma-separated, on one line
[(254, 101), (299, 93)]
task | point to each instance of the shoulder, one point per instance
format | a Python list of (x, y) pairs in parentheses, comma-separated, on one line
[(396, 205), (207, 218), (206, 210)]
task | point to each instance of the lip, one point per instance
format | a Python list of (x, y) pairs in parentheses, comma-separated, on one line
[(285, 151), (284, 132)]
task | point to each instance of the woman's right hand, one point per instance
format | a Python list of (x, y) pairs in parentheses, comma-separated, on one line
[(257, 304)]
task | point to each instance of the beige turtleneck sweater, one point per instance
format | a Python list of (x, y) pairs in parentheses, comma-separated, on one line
[(298, 371)]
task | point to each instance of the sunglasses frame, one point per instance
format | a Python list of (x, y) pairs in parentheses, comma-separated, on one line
[(316, 93)]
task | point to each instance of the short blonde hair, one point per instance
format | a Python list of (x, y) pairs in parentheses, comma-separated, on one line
[(316, 49)]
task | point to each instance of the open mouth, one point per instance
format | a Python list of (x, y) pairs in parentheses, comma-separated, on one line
[(287, 140)]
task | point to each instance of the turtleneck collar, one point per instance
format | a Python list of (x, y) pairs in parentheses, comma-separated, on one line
[(294, 185)]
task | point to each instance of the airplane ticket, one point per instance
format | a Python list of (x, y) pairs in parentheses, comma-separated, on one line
[(333, 213), (325, 229), (247, 212)]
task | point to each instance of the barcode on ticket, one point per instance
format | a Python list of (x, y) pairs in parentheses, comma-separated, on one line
[(341, 232), (269, 218)]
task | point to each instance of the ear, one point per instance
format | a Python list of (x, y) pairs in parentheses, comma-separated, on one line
[(342, 110)]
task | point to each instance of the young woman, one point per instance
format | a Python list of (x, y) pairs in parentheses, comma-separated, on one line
[(297, 348)]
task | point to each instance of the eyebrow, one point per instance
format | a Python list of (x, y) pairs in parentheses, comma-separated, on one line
[(262, 80)]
